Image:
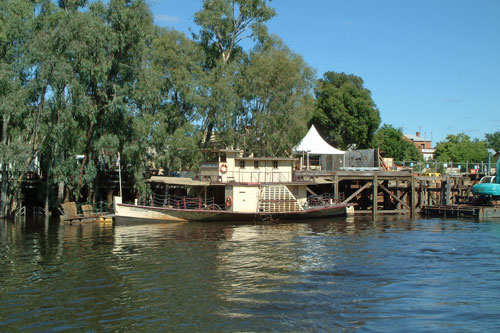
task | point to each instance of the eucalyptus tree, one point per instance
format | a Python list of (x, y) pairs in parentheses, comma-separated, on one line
[(277, 99), (52, 94), (106, 44), (391, 143), (345, 112), (224, 25), (460, 148), (16, 26), (166, 99)]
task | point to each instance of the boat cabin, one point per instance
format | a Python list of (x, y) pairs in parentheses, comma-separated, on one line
[(232, 182), (230, 166)]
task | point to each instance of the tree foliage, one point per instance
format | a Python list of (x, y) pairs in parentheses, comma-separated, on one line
[(276, 93), (493, 141), (224, 24), (81, 81), (391, 143), (345, 113), (17, 136), (460, 148)]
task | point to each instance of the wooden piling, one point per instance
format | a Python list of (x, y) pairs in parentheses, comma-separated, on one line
[(375, 195)]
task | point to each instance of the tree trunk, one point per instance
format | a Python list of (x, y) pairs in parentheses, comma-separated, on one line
[(60, 192), (47, 194), (66, 194), (85, 158), (209, 135), (4, 185)]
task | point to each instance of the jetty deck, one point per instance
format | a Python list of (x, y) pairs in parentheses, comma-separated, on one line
[(394, 192)]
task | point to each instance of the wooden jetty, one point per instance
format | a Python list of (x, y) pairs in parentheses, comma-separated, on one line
[(394, 192), (374, 191), (481, 212)]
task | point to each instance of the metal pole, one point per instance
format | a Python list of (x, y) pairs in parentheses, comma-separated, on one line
[(489, 164)]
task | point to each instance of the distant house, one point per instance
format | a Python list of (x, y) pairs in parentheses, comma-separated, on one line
[(424, 145)]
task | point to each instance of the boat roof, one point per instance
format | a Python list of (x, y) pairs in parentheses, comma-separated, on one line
[(266, 158), (177, 181), (215, 150)]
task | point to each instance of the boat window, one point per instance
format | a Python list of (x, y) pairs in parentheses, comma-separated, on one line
[(223, 157), (275, 164), (242, 164), (256, 164)]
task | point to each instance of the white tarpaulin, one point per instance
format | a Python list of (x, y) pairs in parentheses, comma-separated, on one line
[(314, 144)]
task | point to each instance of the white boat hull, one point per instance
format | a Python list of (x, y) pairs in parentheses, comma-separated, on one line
[(131, 212)]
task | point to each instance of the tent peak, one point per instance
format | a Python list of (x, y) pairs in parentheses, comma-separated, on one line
[(314, 144)]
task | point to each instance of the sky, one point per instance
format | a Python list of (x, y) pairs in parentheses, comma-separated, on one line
[(433, 66)]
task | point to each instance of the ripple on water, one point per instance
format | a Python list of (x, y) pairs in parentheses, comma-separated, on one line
[(433, 275)]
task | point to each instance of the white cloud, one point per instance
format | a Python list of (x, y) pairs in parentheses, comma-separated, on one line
[(169, 19)]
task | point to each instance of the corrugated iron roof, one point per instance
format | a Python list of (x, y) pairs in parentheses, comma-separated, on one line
[(177, 181)]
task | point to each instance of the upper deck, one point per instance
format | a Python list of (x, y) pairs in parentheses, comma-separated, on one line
[(227, 166)]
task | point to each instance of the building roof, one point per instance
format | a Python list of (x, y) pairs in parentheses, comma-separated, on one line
[(314, 144), (416, 138)]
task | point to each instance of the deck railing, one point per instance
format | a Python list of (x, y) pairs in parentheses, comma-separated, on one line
[(324, 199), (183, 202)]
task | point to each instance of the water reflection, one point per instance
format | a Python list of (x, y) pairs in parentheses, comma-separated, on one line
[(315, 275)]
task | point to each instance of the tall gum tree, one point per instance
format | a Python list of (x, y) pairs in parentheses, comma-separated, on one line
[(166, 99), (106, 49), (224, 25), (16, 26), (276, 88), (345, 112)]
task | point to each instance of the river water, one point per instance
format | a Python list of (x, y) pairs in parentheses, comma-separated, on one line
[(325, 275)]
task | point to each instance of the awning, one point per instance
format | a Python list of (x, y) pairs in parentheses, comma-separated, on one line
[(177, 181)]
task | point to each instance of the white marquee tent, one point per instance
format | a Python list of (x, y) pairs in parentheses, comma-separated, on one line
[(313, 144)]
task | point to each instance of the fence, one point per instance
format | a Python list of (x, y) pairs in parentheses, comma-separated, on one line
[(443, 167)]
